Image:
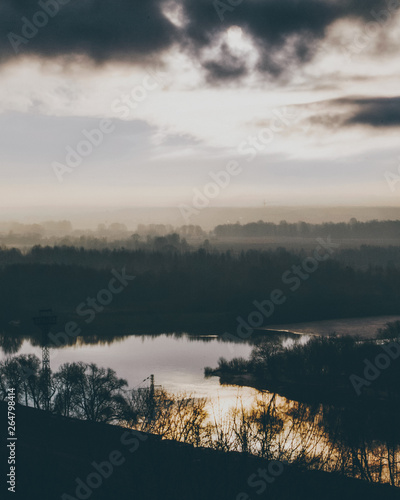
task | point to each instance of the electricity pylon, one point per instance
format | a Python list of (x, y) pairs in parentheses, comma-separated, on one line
[(45, 321)]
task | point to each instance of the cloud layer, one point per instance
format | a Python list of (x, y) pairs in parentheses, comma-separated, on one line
[(128, 30), (376, 112), (285, 33)]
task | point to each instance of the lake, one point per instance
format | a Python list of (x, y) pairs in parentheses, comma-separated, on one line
[(364, 327), (178, 362)]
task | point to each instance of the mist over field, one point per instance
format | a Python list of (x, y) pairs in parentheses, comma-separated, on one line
[(209, 217)]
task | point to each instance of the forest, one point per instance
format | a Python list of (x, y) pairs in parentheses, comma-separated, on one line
[(158, 236), (374, 229), (177, 289)]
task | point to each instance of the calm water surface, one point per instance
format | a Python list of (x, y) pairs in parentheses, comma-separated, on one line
[(364, 327), (177, 363)]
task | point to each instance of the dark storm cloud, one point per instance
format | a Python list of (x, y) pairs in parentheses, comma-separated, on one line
[(228, 67), (375, 112), (101, 29), (270, 24), (286, 32)]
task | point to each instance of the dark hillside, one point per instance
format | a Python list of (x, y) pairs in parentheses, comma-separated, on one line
[(53, 452)]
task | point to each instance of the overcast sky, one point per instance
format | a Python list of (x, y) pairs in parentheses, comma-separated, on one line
[(302, 94)]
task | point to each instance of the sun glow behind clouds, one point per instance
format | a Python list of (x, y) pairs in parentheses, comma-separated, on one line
[(174, 13), (241, 44), (235, 37), (192, 123)]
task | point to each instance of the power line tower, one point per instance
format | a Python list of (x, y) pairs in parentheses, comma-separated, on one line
[(152, 386), (45, 321), (152, 397)]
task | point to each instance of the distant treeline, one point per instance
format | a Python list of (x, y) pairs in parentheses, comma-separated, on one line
[(199, 282), (104, 236), (354, 229), (117, 235)]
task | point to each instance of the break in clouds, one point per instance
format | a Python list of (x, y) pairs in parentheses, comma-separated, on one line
[(331, 64)]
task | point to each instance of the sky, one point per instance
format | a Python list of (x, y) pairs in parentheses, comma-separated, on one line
[(193, 103)]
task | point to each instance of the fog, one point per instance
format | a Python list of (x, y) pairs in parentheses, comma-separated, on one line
[(207, 218)]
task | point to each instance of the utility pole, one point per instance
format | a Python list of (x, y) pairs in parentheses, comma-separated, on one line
[(151, 398), (152, 386)]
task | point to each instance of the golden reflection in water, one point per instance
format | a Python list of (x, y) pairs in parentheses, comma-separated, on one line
[(354, 442)]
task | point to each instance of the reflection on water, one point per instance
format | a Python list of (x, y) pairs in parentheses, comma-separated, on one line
[(364, 327), (362, 443), (177, 361), (10, 344)]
